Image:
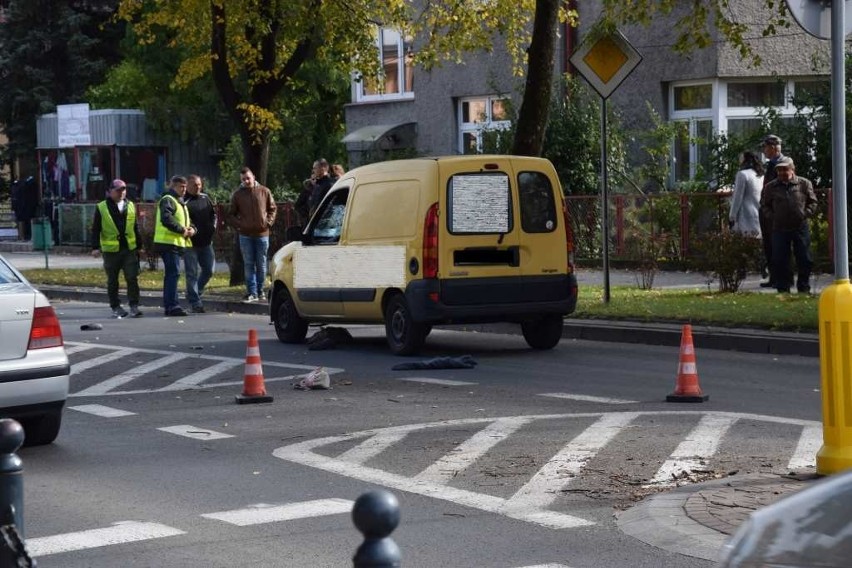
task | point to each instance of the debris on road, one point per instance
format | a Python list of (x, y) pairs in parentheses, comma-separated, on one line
[(462, 362), (316, 379)]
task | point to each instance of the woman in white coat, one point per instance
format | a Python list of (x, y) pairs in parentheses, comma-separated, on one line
[(745, 204)]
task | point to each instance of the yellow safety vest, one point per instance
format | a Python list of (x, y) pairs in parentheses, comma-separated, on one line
[(165, 236), (109, 230)]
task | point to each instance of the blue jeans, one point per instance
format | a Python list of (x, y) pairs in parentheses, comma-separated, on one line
[(171, 265), (254, 251), (198, 263)]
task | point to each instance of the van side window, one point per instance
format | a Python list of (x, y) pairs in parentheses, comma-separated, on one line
[(479, 203), (538, 210), (329, 219)]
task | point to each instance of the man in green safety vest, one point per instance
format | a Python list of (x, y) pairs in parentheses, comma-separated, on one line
[(172, 232), (115, 236)]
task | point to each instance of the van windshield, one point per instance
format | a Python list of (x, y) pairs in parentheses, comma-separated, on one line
[(479, 203)]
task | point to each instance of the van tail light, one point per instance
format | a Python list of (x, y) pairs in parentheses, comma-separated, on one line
[(430, 243), (45, 331), (569, 237)]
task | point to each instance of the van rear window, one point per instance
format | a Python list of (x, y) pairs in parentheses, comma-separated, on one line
[(538, 211), (479, 203)]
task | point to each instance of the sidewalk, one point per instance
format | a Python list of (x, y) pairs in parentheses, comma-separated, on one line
[(668, 334)]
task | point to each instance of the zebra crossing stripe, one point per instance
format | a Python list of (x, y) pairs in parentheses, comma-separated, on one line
[(372, 446), (124, 378), (443, 382), (586, 398), (78, 368), (540, 491), (809, 444), (700, 444), (195, 379), (101, 410), (119, 533), (78, 347), (261, 514)]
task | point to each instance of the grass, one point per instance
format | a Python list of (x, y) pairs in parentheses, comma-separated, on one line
[(744, 309)]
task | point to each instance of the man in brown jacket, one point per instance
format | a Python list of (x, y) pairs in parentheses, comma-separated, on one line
[(788, 202), (252, 212)]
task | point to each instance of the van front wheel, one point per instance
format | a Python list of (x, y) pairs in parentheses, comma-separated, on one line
[(289, 325), (404, 335), (544, 332)]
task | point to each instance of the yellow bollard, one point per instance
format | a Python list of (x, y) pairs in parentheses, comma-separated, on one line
[(835, 357)]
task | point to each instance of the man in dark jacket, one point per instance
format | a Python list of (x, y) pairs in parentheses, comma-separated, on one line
[(322, 182), (788, 202), (772, 150), (199, 259), (115, 236), (172, 233), (252, 212)]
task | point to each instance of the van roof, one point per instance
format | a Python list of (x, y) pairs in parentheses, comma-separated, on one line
[(430, 161)]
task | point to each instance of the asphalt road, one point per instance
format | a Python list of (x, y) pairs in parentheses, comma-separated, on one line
[(524, 460)]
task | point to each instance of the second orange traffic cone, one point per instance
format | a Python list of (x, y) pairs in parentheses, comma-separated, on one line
[(253, 389), (687, 388)]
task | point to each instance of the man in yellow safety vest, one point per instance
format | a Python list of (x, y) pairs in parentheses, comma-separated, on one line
[(172, 232)]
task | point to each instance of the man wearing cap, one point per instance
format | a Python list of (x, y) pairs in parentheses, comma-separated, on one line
[(172, 233), (772, 150), (115, 236), (788, 202)]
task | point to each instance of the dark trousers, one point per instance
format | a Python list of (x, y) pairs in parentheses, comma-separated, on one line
[(766, 231), (116, 262), (171, 275), (800, 239)]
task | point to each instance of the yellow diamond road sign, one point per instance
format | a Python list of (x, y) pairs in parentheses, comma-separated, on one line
[(606, 61)]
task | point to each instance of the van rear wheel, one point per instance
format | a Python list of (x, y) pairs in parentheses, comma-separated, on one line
[(404, 335), (544, 332), (289, 325)]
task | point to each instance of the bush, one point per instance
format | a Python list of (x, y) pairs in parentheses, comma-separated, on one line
[(727, 256)]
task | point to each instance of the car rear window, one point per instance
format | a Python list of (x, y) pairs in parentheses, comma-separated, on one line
[(6, 274), (538, 210), (479, 203)]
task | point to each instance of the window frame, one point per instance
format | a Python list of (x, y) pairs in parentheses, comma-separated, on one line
[(477, 127), (405, 71)]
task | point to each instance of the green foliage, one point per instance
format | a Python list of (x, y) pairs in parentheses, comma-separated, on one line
[(573, 139), (727, 256), (657, 144)]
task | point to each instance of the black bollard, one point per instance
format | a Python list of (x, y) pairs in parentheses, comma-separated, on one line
[(11, 470), (376, 515)]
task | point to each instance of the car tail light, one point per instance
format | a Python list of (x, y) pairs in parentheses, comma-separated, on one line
[(45, 331), (430, 243), (569, 237)]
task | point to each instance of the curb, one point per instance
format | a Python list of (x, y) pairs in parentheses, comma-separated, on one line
[(665, 334)]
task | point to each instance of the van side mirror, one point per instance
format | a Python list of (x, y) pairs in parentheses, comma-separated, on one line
[(294, 234)]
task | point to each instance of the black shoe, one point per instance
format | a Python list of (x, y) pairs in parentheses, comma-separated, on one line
[(783, 290), (804, 289), (176, 312), (198, 310), (769, 284), (135, 312), (119, 313)]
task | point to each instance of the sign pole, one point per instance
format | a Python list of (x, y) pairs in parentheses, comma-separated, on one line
[(604, 204)]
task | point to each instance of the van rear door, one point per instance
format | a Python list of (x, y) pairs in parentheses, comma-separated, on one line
[(479, 247)]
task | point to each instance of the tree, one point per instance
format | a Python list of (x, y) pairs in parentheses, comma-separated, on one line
[(50, 52)]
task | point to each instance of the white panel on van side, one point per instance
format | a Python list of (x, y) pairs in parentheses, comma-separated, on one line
[(349, 267)]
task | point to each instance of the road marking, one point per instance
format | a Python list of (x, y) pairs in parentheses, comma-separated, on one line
[(121, 353), (77, 347), (101, 410), (260, 514), (444, 382), (193, 380), (699, 445), (194, 432), (809, 444), (120, 533), (547, 566), (372, 446), (586, 398), (124, 378), (471, 449), (541, 491), (219, 364)]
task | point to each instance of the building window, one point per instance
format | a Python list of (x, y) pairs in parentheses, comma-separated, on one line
[(756, 94), (693, 97), (396, 75), (478, 115)]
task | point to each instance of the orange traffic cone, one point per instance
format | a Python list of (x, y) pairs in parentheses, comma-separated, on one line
[(687, 388), (253, 389)]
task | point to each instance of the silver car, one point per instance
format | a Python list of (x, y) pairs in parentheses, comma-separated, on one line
[(812, 527), (34, 368)]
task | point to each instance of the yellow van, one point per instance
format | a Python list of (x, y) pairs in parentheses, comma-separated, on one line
[(415, 243)]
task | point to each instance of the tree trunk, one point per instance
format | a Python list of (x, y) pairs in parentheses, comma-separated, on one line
[(256, 155), (535, 108)]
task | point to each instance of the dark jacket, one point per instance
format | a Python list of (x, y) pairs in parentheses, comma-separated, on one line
[(788, 205), (252, 211), (202, 214), (770, 174), (320, 188), (120, 220)]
